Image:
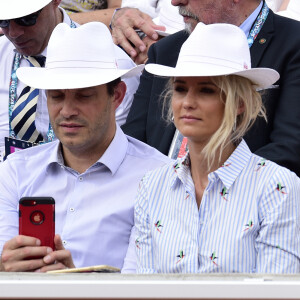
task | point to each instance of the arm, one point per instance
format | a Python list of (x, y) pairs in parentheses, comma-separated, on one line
[(101, 15), (143, 239), (24, 253), (124, 23), (278, 242), (284, 5)]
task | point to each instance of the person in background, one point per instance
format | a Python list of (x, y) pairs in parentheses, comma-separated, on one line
[(278, 139), (220, 208), (91, 10), (27, 26), (151, 18), (92, 170), (292, 10)]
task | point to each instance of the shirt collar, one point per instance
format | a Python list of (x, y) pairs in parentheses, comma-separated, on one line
[(247, 24), (116, 151), (228, 173), (111, 158), (234, 165)]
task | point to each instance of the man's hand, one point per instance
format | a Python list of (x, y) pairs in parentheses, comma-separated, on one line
[(58, 259), (17, 254), (124, 23), (142, 57)]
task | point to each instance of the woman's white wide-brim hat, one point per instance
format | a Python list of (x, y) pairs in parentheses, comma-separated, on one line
[(216, 50), (78, 58), (12, 9), (170, 18)]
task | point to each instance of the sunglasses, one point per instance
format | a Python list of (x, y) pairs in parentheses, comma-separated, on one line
[(28, 20)]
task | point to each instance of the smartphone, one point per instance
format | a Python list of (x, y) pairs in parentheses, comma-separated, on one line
[(37, 219)]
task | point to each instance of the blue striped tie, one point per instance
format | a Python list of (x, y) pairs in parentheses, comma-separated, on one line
[(24, 111)]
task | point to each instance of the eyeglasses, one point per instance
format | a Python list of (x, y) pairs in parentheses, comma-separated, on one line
[(28, 20)]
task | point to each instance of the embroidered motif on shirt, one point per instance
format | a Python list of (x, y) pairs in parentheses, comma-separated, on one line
[(177, 166), (226, 165), (278, 247), (249, 225), (158, 225), (180, 256), (280, 188), (137, 243), (187, 196), (223, 193), (261, 164), (213, 257)]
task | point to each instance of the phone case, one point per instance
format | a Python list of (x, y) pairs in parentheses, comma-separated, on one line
[(37, 219)]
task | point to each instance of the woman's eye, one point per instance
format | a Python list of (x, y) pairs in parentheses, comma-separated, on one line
[(207, 90), (179, 89)]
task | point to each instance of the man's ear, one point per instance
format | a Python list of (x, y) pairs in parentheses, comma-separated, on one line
[(119, 94)]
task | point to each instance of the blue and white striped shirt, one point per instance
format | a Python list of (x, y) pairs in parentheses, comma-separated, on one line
[(248, 220)]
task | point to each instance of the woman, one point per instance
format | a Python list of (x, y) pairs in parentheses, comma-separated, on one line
[(220, 208)]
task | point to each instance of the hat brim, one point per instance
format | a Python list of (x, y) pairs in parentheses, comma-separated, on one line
[(20, 8), (72, 78), (261, 77)]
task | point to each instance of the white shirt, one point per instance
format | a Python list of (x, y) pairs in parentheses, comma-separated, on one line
[(150, 7), (93, 210), (274, 4), (7, 53), (248, 220)]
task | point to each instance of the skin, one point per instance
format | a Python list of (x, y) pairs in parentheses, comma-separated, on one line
[(84, 122), (198, 112), (194, 11), (123, 25), (32, 40), (101, 15)]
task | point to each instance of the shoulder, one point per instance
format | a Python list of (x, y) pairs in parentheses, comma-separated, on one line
[(142, 151), (36, 155), (273, 177)]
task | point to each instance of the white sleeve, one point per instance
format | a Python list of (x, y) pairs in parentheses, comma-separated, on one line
[(149, 7)]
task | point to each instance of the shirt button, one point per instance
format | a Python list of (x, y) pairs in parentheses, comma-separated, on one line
[(62, 167), (65, 242), (80, 178), (72, 209)]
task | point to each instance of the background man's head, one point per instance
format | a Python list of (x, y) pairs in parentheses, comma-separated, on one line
[(215, 11), (29, 24)]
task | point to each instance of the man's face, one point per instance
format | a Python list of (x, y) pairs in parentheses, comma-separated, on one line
[(32, 40), (82, 119), (206, 11)]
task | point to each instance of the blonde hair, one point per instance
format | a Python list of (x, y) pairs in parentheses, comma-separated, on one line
[(235, 92)]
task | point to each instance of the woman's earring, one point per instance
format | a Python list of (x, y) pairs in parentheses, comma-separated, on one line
[(234, 126)]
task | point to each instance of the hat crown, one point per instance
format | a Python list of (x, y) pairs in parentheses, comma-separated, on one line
[(217, 46), (81, 47)]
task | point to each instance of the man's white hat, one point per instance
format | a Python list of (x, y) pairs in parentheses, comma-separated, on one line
[(12, 9), (216, 50), (78, 58), (292, 11), (170, 18)]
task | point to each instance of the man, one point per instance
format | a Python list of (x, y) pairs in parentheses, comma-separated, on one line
[(272, 44), (92, 171), (27, 26)]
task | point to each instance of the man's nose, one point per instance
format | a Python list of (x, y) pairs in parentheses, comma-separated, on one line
[(15, 30)]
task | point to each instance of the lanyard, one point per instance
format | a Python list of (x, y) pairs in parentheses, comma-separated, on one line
[(259, 22), (13, 95)]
